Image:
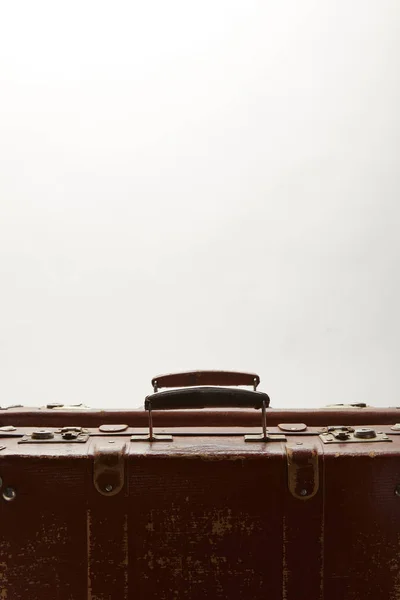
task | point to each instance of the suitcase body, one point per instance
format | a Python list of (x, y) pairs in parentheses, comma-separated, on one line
[(92, 509)]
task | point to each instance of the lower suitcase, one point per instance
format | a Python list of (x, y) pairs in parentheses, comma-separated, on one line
[(217, 506)]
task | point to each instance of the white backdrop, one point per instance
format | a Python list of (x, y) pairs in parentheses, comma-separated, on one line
[(205, 184)]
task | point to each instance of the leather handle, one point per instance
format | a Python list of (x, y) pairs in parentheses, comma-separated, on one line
[(196, 378), (206, 397)]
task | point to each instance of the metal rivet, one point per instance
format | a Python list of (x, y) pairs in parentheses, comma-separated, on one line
[(397, 490), (303, 492), (365, 433), (111, 441), (299, 443), (9, 494), (108, 487)]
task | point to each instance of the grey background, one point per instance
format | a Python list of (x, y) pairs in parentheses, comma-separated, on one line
[(205, 184)]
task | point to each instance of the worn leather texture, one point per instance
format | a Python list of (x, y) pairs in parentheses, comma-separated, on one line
[(206, 515)]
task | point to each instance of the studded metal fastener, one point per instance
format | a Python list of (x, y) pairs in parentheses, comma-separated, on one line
[(365, 433), (9, 494)]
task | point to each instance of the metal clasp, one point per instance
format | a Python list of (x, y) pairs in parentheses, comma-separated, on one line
[(338, 434), (66, 434)]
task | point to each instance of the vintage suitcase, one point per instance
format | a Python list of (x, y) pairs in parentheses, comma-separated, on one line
[(200, 496)]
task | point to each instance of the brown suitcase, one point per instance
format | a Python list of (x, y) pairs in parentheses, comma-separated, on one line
[(173, 504)]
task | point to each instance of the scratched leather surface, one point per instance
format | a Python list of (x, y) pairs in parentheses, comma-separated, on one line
[(202, 517)]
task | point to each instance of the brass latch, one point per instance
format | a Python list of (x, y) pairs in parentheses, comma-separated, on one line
[(53, 436), (343, 434)]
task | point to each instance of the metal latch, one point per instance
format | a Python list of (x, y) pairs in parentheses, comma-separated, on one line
[(340, 432), (66, 434), (343, 434), (71, 433)]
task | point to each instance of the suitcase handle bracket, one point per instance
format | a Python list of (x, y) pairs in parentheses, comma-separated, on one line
[(202, 389)]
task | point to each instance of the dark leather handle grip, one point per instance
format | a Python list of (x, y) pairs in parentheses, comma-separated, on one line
[(195, 378), (205, 397)]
